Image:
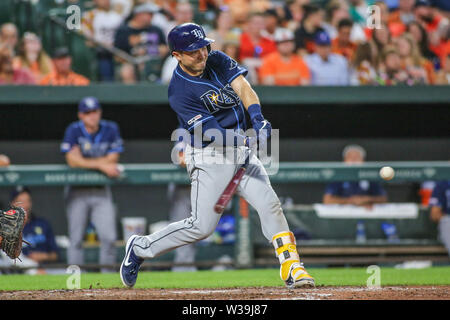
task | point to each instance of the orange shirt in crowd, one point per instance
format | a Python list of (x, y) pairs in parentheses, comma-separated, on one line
[(395, 23), (292, 73), (394, 17), (347, 51), (34, 68), (249, 49), (432, 27), (445, 52), (395, 29), (71, 79), (429, 68)]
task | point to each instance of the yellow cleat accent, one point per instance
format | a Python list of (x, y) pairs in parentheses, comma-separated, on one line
[(300, 278), (292, 271)]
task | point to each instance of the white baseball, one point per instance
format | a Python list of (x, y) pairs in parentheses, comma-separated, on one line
[(387, 173)]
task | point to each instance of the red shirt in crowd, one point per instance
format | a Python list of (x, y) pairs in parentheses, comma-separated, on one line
[(249, 49), (20, 76)]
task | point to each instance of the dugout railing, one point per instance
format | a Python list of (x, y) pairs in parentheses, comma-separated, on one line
[(247, 251)]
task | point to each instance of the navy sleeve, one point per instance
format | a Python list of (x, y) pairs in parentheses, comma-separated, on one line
[(121, 39), (51, 242), (116, 144), (299, 39), (69, 140), (376, 189), (438, 196), (189, 113), (332, 189), (162, 38), (227, 67)]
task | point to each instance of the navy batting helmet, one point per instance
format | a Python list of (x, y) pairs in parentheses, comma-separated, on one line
[(187, 37)]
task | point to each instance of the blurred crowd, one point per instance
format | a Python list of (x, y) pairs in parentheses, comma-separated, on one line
[(289, 43)]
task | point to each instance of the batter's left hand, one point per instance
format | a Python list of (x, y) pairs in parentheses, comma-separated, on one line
[(263, 128)]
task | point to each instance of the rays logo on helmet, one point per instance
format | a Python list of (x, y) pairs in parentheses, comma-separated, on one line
[(197, 33)]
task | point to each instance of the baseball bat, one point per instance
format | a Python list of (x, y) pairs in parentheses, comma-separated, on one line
[(230, 189)]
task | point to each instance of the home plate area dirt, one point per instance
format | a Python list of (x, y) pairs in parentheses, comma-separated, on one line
[(254, 293)]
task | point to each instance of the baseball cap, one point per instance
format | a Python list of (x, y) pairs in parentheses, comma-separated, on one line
[(88, 104), (18, 190), (283, 34), (146, 7), (322, 39), (61, 52), (422, 3)]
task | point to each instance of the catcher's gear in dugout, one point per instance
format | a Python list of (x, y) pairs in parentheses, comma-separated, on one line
[(11, 227)]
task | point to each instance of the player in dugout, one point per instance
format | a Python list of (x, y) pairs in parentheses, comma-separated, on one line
[(37, 231), (358, 193)]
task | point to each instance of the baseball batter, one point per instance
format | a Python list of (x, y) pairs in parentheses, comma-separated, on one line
[(210, 96)]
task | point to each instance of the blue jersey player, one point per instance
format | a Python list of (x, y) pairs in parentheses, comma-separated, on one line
[(211, 97), (440, 211), (92, 143)]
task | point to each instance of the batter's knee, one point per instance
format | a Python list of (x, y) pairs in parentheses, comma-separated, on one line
[(271, 205), (200, 232)]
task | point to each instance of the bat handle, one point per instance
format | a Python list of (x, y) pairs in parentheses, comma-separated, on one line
[(229, 191), (218, 208)]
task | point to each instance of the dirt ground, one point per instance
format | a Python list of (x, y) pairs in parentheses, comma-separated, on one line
[(266, 293)]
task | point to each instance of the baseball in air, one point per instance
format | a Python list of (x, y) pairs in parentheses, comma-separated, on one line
[(387, 173)]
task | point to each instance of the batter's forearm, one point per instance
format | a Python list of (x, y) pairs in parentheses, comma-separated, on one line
[(245, 91), (249, 97)]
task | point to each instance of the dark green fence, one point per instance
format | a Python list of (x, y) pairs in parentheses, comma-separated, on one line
[(157, 174)]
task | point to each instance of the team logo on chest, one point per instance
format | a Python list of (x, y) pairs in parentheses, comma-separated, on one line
[(224, 98)]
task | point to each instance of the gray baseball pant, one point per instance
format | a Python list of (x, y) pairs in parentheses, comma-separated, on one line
[(95, 204), (180, 198), (444, 231), (210, 170)]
